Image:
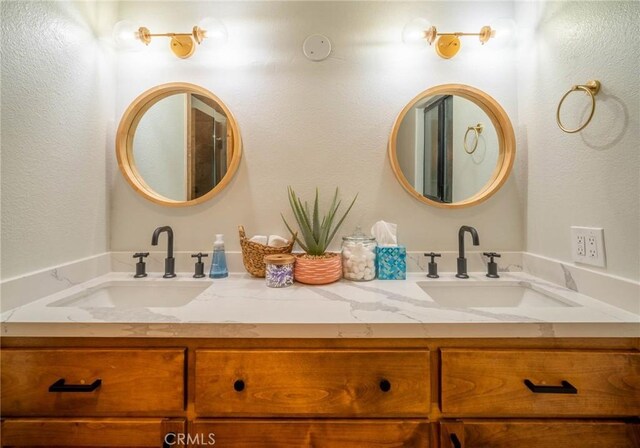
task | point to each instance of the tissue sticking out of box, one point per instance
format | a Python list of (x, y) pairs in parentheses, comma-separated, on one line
[(385, 233)]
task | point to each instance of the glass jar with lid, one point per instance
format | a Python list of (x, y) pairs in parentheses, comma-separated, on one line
[(279, 270), (359, 257)]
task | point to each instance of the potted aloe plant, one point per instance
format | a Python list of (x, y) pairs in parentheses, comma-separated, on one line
[(316, 266)]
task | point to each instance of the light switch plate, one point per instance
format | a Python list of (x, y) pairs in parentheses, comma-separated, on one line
[(587, 246)]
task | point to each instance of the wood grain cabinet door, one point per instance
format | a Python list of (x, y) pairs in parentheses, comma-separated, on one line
[(540, 383), (92, 382), (302, 383), (312, 433), (538, 434), (96, 432)]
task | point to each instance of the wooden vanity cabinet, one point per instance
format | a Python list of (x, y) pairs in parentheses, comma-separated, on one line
[(92, 382), (342, 393), (89, 432), (549, 387), (312, 383), (539, 383), (469, 433), (326, 433)]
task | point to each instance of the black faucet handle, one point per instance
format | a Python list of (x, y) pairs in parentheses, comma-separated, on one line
[(433, 267), (433, 255), (199, 268), (141, 256), (491, 255), (199, 256), (492, 267), (140, 266)]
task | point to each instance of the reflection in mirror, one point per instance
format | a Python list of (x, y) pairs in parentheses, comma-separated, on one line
[(180, 146), (447, 148), (452, 146)]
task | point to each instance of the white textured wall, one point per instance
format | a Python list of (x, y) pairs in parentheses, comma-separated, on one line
[(322, 124), (56, 106), (590, 178)]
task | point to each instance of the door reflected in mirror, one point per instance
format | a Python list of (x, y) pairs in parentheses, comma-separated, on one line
[(180, 146), (452, 146), (447, 148)]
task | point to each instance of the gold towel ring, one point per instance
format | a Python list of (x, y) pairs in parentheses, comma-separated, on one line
[(477, 129), (592, 88)]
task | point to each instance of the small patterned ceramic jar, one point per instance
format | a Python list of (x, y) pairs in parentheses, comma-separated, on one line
[(279, 270)]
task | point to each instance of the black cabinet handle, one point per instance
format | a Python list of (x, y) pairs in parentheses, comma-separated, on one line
[(59, 386), (385, 385), (238, 385), (565, 388), (455, 442)]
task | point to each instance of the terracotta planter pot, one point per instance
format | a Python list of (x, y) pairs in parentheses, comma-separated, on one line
[(318, 270)]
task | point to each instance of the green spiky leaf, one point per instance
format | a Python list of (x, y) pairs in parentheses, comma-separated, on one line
[(317, 234)]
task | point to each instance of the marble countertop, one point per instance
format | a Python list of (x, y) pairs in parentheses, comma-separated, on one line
[(243, 307)]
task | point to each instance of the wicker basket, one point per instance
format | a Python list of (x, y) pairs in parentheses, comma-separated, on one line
[(253, 253)]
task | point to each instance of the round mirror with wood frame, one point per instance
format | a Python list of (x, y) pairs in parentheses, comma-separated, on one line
[(452, 125), (178, 145)]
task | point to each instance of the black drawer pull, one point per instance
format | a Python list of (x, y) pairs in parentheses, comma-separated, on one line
[(565, 388), (455, 442), (385, 385), (238, 385), (59, 386)]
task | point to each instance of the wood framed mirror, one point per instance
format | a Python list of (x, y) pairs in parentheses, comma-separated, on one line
[(178, 145), (452, 146)]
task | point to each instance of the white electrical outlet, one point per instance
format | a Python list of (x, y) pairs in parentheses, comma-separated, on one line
[(581, 249), (587, 245)]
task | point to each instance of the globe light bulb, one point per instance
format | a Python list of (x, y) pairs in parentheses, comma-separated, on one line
[(213, 30), (415, 32), (125, 35), (504, 32)]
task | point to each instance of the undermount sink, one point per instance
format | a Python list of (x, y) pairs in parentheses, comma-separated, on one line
[(458, 294), (135, 294)]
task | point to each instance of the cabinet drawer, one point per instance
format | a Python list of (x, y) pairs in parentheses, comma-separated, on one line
[(113, 432), (537, 434), (389, 383), (123, 381), (314, 433), (519, 383)]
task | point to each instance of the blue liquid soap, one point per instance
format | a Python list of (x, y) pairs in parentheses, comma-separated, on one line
[(218, 260)]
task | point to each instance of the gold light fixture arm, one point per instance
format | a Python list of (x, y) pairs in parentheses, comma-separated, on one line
[(591, 88), (182, 44), (486, 33)]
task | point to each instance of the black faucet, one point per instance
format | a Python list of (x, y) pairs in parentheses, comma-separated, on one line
[(462, 261), (169, 262)]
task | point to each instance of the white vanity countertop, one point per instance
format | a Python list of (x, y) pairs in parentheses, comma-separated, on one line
[(243, 307)]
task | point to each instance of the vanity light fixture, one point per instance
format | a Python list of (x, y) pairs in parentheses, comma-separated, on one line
[(183, 45), (448, 44)]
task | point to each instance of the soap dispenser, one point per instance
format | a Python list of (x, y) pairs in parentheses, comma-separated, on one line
[(218, 259)]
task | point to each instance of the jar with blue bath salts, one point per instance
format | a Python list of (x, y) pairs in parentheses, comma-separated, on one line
[(279, 270)]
